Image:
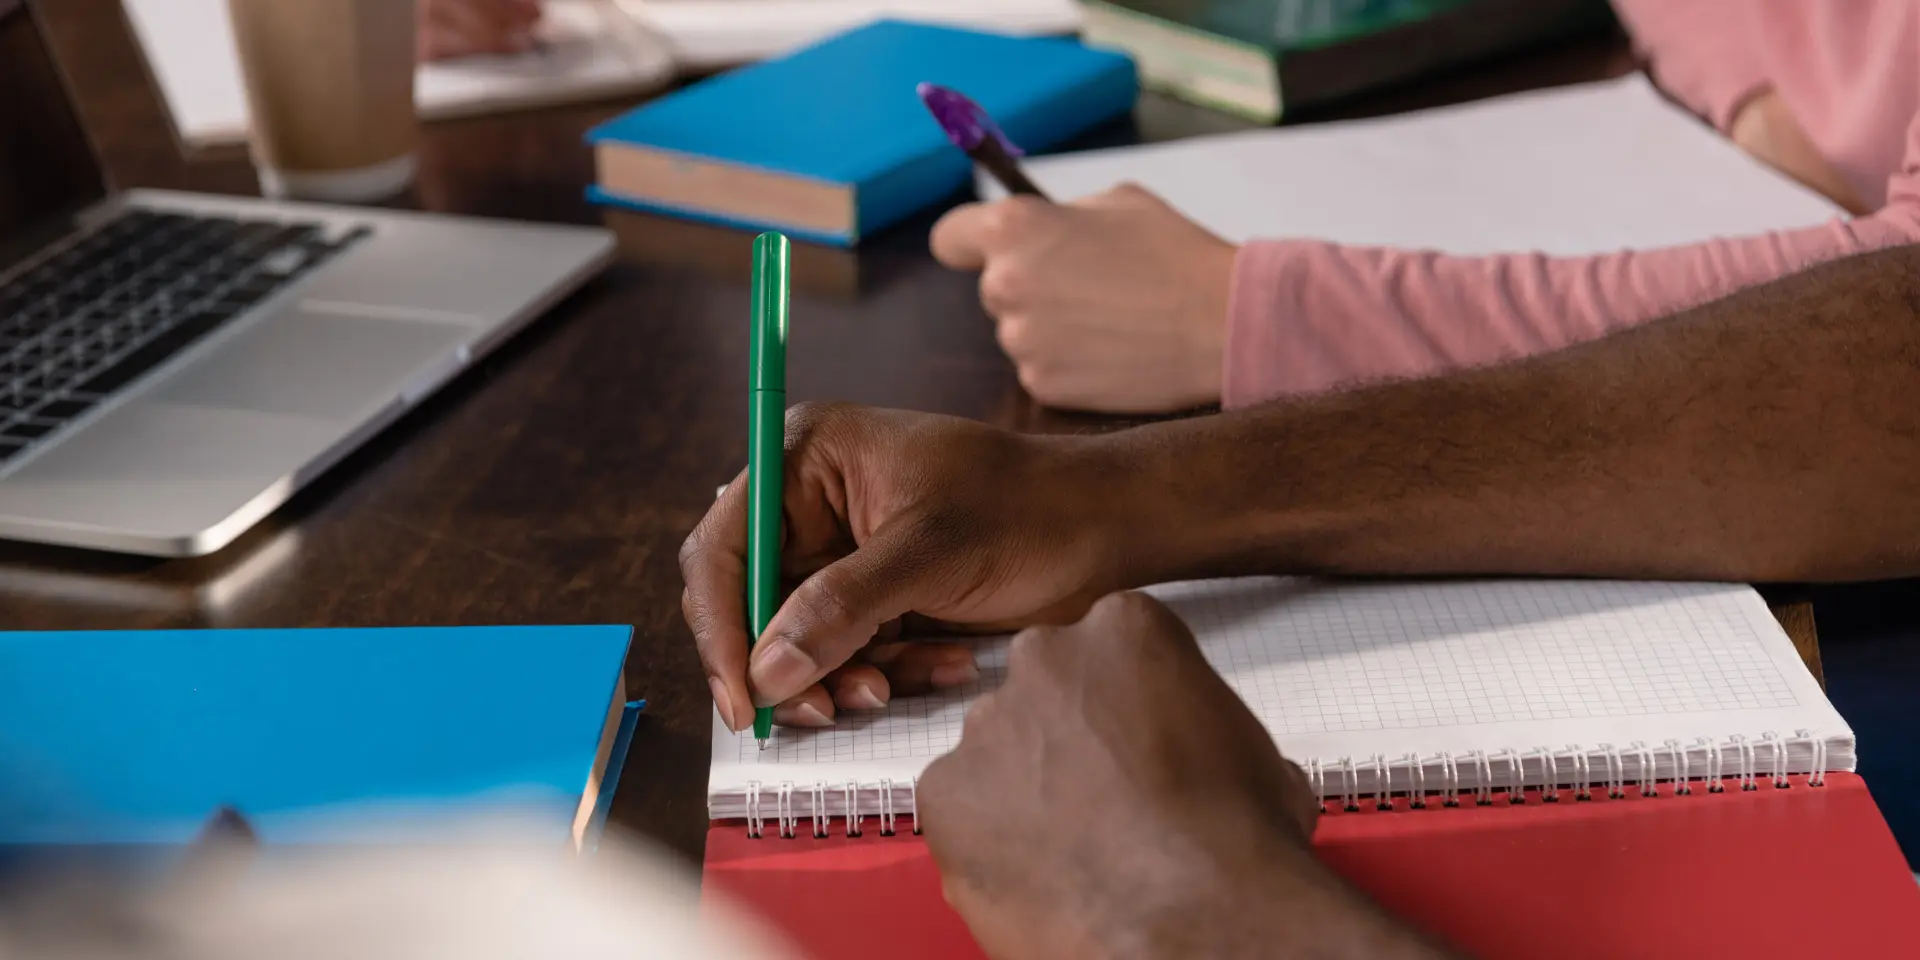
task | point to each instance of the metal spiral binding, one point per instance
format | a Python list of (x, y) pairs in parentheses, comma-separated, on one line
[(913, 806), (1818, 778), (886, 807), (1708, 762), (755, 822), (1618, 770), (1483, 779), (1682, 759), (789, 821)]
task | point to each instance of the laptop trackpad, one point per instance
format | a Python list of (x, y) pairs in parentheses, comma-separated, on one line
[(317, 365)]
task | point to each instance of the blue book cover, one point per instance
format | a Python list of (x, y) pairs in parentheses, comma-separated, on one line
[(831, 143), (314, 736)]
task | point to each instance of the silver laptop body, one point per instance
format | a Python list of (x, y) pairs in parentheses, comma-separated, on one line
[(365, 312)]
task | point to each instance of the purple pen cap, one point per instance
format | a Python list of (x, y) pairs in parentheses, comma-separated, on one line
[(962, 119)]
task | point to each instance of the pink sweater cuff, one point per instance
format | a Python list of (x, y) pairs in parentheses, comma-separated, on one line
[(1699, 51), (1272, 348)]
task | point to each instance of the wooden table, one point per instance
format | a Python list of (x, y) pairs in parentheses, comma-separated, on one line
[(555, 482)]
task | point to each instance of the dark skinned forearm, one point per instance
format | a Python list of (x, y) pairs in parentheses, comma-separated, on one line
[(1770, 436)]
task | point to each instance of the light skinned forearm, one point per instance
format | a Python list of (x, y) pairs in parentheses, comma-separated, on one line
[(1773, 435)]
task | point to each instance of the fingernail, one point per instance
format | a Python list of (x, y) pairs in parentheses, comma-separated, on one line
[(778, 671), (864, 698), (954, 674), (722, 701), (808, 715)]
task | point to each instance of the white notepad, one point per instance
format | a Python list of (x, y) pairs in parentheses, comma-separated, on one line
[(592, 50), (1415, 686), (1584, 169), (706, 34)]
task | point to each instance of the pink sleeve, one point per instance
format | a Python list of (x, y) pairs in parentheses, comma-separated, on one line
[(1305, 316), (1698, 51)]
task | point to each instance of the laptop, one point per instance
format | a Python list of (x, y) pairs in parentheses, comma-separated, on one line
[(173, 366)]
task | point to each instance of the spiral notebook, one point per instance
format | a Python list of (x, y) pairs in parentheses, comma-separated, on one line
[(1511, 723)]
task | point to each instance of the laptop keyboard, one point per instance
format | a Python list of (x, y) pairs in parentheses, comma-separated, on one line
[(122, 299)]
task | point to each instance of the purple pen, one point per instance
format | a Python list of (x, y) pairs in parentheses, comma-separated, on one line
[(975, 133)]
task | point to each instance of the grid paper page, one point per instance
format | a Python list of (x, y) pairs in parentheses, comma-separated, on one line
[(1358, 669)]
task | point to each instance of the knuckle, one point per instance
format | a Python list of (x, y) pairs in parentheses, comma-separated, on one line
[(1003, 286), (807, 416), (1126, 603), (1134, 617), (1015, 335), (691, 549), (828, 603), (1037, 381), (980, 716), (1029, 648), (1016, 215)]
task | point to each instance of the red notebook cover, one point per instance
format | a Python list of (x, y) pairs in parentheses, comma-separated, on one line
[(1798, 871)]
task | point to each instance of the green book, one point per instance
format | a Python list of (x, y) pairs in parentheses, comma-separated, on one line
[(1259, 58)]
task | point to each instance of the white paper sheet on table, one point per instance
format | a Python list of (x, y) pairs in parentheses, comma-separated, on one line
[(705, 34), (1583, 169), (592, 50)]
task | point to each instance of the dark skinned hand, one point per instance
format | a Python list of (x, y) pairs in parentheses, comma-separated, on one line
[(1115, 799), (889, 514)]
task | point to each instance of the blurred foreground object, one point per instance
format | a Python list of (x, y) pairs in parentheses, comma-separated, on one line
[(490, 889), (1263, 58)]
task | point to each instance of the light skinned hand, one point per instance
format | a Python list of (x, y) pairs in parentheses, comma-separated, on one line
[(891, 513), (448, 29), (1768, 132), (1116, 303), (1114, 798)]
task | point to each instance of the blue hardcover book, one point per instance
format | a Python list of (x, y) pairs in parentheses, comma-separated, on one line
[(831, 143), (132, 739)]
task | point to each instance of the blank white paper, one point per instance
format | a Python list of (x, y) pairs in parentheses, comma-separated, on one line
[(1584, 169)]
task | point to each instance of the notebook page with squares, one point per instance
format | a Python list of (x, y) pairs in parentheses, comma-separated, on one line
[(1408, 686)]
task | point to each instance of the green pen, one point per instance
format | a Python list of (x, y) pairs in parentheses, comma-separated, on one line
[(766, 441)]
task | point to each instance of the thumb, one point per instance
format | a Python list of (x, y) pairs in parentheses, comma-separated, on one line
[(837, 611)]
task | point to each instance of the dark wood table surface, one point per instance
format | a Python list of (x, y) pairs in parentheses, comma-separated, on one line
[(555, 481)]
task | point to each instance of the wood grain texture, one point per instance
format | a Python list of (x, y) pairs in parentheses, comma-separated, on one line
[(555, 481)]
